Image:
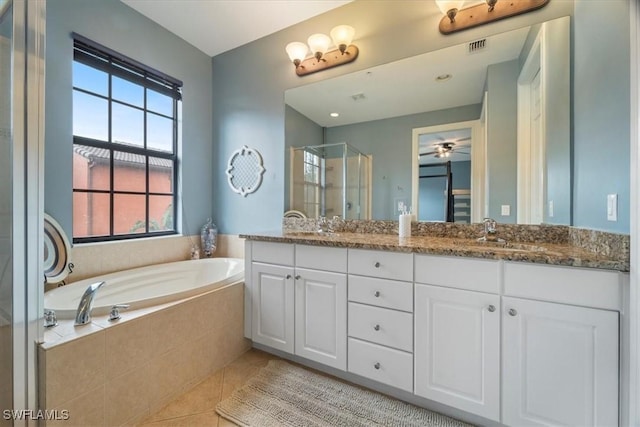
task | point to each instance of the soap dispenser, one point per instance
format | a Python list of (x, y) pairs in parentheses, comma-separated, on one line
[(208, 238)]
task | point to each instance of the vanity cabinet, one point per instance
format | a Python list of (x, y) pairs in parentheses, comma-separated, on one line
[(560, 364), (297, 308), (457, 333), (272, 295), (381, 317)]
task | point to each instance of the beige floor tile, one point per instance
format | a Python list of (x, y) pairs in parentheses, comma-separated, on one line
[(197, 406), (208, 419), (201, 399)]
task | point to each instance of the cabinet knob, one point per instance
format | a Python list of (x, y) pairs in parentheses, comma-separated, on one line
[(377, 327), (297, 277), (512, 312), (377, 366), (491, 308), (288, 277), (376, 265), (376, 294)]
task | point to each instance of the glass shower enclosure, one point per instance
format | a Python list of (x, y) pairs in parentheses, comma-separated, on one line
[(330, 180)]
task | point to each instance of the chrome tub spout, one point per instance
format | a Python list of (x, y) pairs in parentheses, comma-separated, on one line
[(83, 315)]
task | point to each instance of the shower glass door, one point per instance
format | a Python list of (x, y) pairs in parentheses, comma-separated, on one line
[(6, 206)]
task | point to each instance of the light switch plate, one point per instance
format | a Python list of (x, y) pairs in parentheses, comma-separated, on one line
[(505, 210), (612, 207)]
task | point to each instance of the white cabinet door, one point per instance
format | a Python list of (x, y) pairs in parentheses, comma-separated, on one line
[(457, 349), (321, 317), (560, 365), (273, 305)]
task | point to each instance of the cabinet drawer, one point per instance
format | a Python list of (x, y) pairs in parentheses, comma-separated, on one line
[(381, 325), (272, 253), (457, 272), (321, 258), (382, 364), (578, 286), (381, 292), (386, 265)]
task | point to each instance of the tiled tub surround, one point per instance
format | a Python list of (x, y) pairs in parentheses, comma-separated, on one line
[(95, 259), (117, 373), (556, 245)]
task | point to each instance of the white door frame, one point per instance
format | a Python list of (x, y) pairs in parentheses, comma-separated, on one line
[(530, 157), (633, 414), (415, 157)]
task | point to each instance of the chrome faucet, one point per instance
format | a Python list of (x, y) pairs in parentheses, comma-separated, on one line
[(83, 315), (490, 231)]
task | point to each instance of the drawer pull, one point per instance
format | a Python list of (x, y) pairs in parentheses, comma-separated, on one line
[(512, 312), (376, 294), (376, 265), (491, 308), (377, 366), (377, 327), (297, 277), (288, 277)]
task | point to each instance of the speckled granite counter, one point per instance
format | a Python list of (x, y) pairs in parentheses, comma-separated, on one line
[(557, 253)]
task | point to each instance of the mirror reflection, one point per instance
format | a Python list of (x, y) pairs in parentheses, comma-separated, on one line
[(475, 130)]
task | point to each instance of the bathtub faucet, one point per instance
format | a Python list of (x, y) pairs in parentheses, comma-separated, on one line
[(83, 315)]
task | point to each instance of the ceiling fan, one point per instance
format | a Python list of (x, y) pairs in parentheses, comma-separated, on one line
[(445, 148)]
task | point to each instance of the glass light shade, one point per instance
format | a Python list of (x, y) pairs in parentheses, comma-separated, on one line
[(297, 50), (447, 5), (319, 43), (342, 34)]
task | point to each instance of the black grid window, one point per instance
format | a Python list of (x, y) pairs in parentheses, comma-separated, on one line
[(125, 133)]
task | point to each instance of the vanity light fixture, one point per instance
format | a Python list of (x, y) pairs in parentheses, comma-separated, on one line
[(458, 18), (319, 45)]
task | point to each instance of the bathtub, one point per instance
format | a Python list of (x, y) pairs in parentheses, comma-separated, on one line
[(147, 286)]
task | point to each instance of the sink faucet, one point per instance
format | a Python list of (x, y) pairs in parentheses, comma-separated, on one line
[(323, 224), (83, 315), (490, 231)]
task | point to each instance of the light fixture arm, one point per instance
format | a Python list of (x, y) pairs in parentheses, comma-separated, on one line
[(491, 4), (451, 13)]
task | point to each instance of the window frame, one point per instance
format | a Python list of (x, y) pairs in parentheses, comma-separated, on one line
[(113, 64)]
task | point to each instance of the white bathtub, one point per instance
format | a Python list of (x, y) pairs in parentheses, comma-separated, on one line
[(147, 286)]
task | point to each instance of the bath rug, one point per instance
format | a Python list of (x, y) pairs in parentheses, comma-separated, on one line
[(282, 394)]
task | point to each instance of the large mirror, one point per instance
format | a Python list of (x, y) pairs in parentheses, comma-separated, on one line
[(475, 130)]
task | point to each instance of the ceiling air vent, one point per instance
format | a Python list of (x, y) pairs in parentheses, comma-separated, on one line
[(477, 45)]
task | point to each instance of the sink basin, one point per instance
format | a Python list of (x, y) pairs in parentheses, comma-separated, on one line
[(503, 246)]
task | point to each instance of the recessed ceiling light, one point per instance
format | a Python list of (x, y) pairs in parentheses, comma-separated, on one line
[(334, 114), (443, 78)]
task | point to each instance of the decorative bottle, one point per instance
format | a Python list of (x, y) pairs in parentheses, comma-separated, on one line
[(208, 238)]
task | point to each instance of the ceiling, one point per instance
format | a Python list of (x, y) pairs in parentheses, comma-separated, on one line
[(216, 26), (407, 86), (460, 138)]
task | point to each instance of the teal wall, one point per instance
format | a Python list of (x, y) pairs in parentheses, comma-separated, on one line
[(431, 194), (299, 132), (501, 139), (249, 83), (601, 113), (117, 26), (389, 142)]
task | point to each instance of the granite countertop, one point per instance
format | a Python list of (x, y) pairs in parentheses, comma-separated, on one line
[(563, 254)]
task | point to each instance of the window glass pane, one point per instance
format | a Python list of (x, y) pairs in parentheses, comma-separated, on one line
[(127, 125), (90, 116), (91, 168), (91, 79), (159, 103), (160, 175), (129, 172), (129, 214), (161, 213), (124, 90), (90, 214), (159, 133)]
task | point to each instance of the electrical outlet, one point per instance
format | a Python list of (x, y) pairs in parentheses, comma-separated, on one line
[(550, 208), (612, 207), (505, 210)]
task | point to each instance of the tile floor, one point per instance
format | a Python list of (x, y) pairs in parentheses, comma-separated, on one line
[(197, 407)]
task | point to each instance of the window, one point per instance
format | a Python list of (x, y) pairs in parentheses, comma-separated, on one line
[(312, 184), (125, 168)]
